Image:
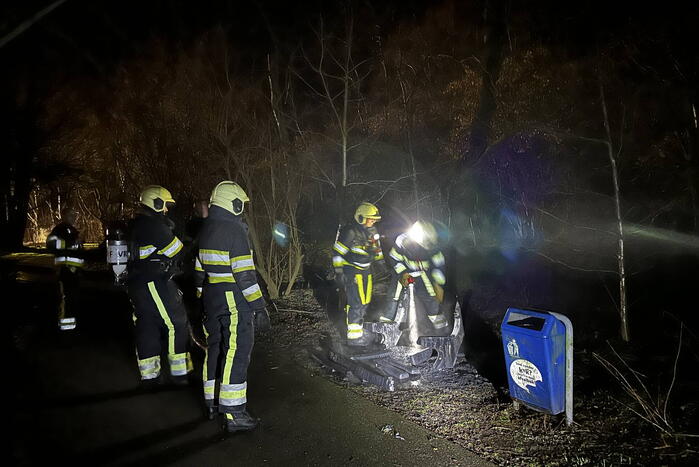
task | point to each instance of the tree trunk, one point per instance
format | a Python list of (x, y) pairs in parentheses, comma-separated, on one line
[(624, 327)]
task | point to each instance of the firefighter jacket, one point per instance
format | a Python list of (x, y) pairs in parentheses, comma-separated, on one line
[(356, 248), (152, 245), (417, 262), (64, 243), (225, 258)]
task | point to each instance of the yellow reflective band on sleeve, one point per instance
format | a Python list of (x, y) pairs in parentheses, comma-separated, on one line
[(214, 257), (145, 251), (395, 255), (252, 293), (164, 316), (338, 261), (379, 256), (172, 248), (438, 259), (220, 277), (199, 290), (359, 250), (340, 248), (399, 268), (438, 276), (242, 263), (197, 265), (69, 261)]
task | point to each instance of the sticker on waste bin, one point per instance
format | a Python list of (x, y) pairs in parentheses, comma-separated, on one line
[(524, 373)]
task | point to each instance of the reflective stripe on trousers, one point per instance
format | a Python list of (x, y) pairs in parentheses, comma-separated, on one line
[(158, 311), (149, 367), (358, 289)]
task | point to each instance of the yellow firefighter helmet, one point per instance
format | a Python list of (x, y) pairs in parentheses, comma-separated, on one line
[(157, 198), (229, 196), (366, 211)]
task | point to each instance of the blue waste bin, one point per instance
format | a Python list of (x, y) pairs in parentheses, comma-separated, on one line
[(535, 357)]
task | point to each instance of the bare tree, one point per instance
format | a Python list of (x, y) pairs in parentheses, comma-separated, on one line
[(621, 264)]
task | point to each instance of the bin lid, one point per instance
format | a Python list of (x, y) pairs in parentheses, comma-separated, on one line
[(528, 322)]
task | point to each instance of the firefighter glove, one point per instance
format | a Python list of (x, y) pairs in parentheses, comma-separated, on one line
[(339, 278), (439, 292), (262, 321)]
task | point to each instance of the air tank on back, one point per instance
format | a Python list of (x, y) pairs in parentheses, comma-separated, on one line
[(117, 251)]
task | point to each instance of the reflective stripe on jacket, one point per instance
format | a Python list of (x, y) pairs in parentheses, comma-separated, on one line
[(225, 257), (355, 248), (429, 265), (152, 242), (64, 243)]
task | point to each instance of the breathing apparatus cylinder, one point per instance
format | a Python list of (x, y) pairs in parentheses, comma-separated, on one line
[(117, 252)]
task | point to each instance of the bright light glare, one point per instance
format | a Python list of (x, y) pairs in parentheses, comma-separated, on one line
[(417, 233)]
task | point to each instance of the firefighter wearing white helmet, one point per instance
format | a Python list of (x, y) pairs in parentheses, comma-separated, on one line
[(417, 259), (233, 305), (356, 248), (158, 307)]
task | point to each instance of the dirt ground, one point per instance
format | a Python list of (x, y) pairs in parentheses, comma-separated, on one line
[(463, 406)]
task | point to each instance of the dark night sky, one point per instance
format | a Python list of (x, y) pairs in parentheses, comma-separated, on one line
[(90, 37), (84, 39)]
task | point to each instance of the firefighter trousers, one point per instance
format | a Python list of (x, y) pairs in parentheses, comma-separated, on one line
[(358, 289), (159, 316), (230, 336), (423, 299), (68, 283)]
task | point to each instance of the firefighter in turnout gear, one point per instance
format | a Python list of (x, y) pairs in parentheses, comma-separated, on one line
[(418, 260), (233, 305), (159, 314), (64, 243), (356, 248)]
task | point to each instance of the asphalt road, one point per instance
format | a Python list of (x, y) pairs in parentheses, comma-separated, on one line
[(78, 400)]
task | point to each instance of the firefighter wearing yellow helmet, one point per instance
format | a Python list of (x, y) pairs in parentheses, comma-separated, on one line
[(418, 260), (158, 307), (233, 305), (356, 248)]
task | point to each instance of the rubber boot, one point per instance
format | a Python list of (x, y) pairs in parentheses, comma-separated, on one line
[(389, 315), (152, 384), (211, 412), (240, 421), (180, 380), (367, 342)]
